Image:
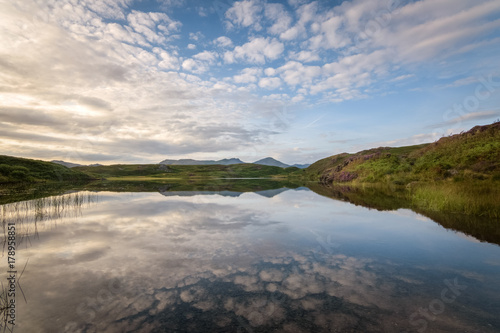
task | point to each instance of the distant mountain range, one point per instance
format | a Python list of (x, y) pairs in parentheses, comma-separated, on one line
[(72, 165), (228, 161)]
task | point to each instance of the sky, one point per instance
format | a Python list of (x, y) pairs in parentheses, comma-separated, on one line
[(130, 81)]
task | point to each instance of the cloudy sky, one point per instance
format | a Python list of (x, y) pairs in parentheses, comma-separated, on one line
[(112, 81)]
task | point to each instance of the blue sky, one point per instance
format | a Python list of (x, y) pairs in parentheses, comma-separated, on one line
[(122, 81)]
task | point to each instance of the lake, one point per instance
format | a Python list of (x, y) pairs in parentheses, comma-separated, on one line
[(278, 260)]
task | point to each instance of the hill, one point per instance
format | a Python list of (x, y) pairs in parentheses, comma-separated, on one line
[(471, 155), (271, 162), (15, 170), (72, 165), (66, 164), (226, 161), (231, 161), (245, 170), (301, 166)]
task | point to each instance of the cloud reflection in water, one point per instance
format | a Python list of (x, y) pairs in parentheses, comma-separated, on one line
[(293, 262)]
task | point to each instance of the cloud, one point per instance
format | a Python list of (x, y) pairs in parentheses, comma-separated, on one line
[(257, 51), (248, 75), (113, 72), (279, 16), (109, 9), (270, 82), (208, 56), (408, 141), (473, 116), (462, 82), (223, 41), (196, 36), (153, 26), (295, 73), (304, 56), (245, 14), (402, 77), (352, 72), (194, 66), (53, 92), (168, 61), (451, 24)]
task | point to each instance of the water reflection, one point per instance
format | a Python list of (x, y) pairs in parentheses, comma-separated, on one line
[(286, 261)]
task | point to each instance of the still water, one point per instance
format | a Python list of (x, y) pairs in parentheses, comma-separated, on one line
[(284, 260)]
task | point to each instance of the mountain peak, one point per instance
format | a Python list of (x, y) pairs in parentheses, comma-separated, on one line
[(226, 161), (271, 162)]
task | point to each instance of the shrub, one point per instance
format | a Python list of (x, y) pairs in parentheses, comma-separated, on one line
[(5, 169), (19, 175)]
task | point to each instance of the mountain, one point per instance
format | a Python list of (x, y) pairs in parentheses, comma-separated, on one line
[(226, 161), (66, 164), (271, 162), (471, 155), (72, 165), (301, 166)]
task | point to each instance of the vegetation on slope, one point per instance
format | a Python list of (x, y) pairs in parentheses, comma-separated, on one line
[(23, 170), (156, 171), (473, 155)]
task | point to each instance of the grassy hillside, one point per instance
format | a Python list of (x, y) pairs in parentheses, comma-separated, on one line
[(473, 155), (141, 171), (19, 170)]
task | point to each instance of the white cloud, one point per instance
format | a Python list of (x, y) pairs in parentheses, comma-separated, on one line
[(270, 82), (245, 14), (196, 36), (402, 77), (307, 14), (279, 16), (208, 56), (110, 9), (146, 23), (223, 41), (149, 73), (258, 50), (168, 61), (293, 33), (248, 75), (304, 56), (331, 35), (124, 34), (438, 34), (194, 66), (352, 72), (270, 71), (202, 11), (472, 116), (463, 82), (295, 73)]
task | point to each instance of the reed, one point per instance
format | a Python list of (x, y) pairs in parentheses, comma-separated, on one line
[(471, 198)]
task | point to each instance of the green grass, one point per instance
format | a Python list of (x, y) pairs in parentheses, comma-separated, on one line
[(159, 171), (23, 170), (468, 198), (473, 155)]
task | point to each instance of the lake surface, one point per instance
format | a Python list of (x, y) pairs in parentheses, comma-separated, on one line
[(284, 260)]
